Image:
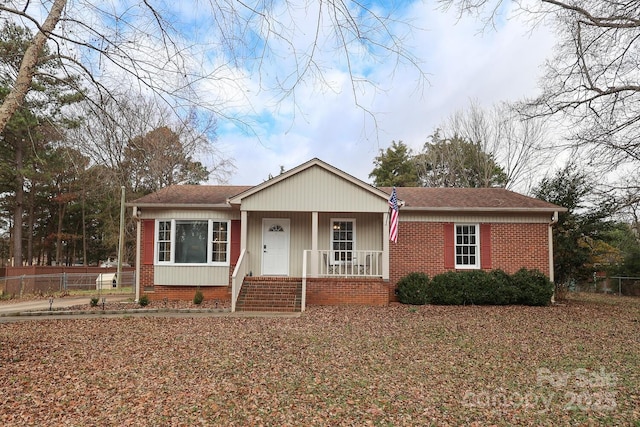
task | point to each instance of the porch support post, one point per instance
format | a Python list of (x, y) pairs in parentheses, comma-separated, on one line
[(385, 246), (136, 216), (243, 230), (314, 244)]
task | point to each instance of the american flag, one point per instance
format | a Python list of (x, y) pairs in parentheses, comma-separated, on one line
[(393, 224)]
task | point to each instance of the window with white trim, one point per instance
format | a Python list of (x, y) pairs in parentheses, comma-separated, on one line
[(467, 246), (220, 242), (343, 240), (191, 242), (164, 241)]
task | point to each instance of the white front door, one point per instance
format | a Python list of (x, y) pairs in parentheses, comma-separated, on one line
[(275, 247)]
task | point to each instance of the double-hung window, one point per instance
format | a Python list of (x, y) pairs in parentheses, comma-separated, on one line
[(192, 242), (467, 246), (164, 241), (343, 240)]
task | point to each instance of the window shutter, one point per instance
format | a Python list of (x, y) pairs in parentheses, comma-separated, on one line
[(235, 240), (449, 246), (148, 225), (485, 246)]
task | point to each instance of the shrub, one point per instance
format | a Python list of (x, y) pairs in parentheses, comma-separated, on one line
[(412, 289), (446, 289), (528, 287), (198, 297), (478, 287), (94, 301), (505, 292), (143, 301), (535, 288)]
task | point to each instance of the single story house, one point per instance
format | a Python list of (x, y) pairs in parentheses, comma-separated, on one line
[(317, 235)]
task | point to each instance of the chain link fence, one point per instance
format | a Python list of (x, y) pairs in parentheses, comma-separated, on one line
[(46, 284), (618, 285)]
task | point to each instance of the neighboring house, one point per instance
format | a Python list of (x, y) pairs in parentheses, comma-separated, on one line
[(317, 235)]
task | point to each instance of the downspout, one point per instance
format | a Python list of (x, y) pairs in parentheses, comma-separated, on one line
[(554, 221), (136, 217)]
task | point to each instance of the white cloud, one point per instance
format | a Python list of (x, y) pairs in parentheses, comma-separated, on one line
[(463, 65)]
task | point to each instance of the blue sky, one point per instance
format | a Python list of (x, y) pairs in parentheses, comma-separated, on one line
[(463, 64), (262, 131)]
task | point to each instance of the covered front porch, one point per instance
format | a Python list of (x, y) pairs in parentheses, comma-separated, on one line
[(313, 222), (362, 271)]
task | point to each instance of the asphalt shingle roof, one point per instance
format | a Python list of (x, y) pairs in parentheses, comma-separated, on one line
[(191, 195), (467, 198), (413, 197)]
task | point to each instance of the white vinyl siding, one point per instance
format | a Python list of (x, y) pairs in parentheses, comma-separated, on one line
[(314, 189)]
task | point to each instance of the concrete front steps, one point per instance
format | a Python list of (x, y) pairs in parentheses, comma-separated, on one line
[(271, 294)]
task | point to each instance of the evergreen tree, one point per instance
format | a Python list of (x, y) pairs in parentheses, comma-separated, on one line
[(33, 129), (395, 167), (457, 162), (580, 228)]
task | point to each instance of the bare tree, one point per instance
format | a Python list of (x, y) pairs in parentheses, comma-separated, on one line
[(111, 133), (194, 62), (593, 81), (518, 145)]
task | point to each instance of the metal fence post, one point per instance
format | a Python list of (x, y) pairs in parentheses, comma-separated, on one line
[(619, 286)]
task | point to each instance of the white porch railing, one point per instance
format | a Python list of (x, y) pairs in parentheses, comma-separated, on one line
[(348, 263), (237, 277)]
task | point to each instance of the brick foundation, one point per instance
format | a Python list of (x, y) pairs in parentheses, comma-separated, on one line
[(186, 293), (343, 291)]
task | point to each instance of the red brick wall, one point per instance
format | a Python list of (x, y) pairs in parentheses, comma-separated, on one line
[(186, 293), (420, 248), (342, 291), (146, 268), (514, 246)]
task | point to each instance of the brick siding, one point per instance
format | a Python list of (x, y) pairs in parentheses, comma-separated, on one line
[(420, 248), (186, 293), (343, 291)]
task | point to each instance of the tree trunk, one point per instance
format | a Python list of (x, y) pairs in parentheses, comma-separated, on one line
[(61, 209), (19, 90), (30, 222), (84, 231), (19, 206)]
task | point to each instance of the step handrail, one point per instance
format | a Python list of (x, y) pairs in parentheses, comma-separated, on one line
[(239, 270)]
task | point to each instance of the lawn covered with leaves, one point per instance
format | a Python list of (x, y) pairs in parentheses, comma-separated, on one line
[(572, 364)]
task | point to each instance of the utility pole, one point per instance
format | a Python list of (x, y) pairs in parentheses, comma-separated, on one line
[(121, 240)]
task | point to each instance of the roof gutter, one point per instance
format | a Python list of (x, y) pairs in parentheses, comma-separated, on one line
[(482, 209), (180, 205)]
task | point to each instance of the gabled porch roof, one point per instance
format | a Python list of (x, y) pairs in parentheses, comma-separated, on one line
[(313, 186)]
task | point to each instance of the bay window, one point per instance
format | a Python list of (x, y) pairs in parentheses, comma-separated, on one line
[(192, 242)]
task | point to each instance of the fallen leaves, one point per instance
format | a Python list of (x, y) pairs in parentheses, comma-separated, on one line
[(332, 366)]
